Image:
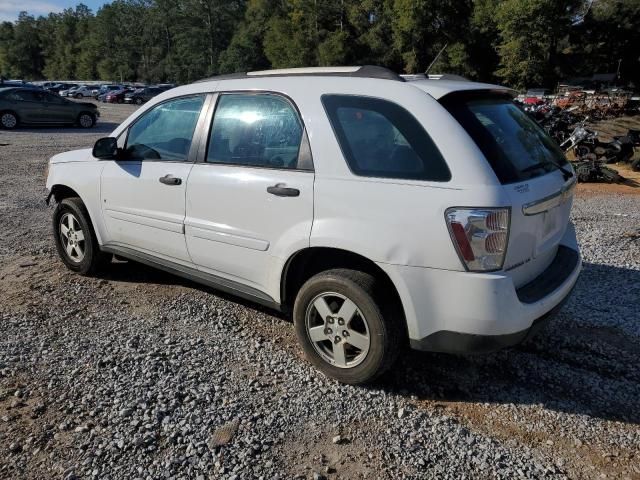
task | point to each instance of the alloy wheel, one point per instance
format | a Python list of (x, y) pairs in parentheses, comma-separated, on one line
[(72, 237), (337, 329), (8, 120), (85, 120)]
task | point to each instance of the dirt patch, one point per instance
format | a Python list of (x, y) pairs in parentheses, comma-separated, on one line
[(333, 452), (573, 456)]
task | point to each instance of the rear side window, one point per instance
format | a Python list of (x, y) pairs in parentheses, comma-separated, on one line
[(515, 146), (381, 139)]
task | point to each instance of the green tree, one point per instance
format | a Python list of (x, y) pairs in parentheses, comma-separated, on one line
[(290, 39), (245, 51), (607, 37), (371, 23), (530, 31), (422, 27), (6, 41), (23, 55)]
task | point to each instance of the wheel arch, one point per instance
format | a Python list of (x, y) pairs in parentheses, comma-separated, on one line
[(310, 261), (60, 191)]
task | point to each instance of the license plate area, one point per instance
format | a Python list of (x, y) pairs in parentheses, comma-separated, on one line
[(550, 230)]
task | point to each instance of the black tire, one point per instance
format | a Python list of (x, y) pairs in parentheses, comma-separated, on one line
[(582, 150), (93, 259), (83, 121), (8, 120), (385, 329), (138, 101), (78, 95)]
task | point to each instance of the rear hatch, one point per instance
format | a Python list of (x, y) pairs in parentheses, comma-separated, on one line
[(533, 171)]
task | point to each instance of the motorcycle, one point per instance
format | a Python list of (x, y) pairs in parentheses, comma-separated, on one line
[(579, 135), (585, 141)]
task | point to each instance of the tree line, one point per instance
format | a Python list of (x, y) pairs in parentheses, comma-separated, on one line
[(522, 43)]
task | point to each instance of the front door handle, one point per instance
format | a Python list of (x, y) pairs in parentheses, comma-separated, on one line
[(169, 179), (281, 190)]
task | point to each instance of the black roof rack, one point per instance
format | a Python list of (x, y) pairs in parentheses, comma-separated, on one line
[(364, 71)]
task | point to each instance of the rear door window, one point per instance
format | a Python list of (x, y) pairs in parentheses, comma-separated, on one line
[(379, 138), (514, 145), (28, 95), (259, 130)]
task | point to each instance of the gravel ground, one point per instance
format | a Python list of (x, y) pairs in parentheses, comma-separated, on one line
[(141, 375)]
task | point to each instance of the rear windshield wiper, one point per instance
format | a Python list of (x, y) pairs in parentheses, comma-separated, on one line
[(565, 173)]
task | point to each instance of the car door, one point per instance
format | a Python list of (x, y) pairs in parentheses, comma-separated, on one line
[(28, 105), (250, 195), (57, 109), (143, 193)]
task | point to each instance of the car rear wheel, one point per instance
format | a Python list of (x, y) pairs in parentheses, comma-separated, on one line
[(86, 120), (138, 101), (75, 239), (345, 325), (8, 120)]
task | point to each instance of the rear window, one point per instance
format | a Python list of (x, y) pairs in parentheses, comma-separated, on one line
[(513, 143), (381, 139)]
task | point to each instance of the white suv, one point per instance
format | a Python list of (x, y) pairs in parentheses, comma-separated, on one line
[(377, 210)]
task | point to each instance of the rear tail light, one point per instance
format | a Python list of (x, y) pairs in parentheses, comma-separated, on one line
[(480, 236)]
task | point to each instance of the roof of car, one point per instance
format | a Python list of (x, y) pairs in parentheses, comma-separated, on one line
[(362, 71), (435, 85), (18, 87), (439, 88)]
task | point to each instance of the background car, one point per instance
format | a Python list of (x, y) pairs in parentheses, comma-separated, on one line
[(60, 86), (141, 95), (83, 91), (24, 106), (104, 89), (18, 83), (535, 96), (117, 96), (69, 91)]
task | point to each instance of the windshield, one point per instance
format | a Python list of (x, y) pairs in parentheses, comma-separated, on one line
[(515, 146)]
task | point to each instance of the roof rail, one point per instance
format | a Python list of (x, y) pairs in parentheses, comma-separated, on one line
[(411, 77), (364, 71)]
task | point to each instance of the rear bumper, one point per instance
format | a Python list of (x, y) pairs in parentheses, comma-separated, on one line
[(460, 312), (468, 343)]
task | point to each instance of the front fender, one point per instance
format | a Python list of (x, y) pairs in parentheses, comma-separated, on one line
[(83, 179)]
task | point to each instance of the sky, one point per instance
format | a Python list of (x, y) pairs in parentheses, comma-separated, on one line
[(9, 9)]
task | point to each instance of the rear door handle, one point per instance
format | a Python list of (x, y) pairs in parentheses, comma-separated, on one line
[(169, 179), (281, 190)]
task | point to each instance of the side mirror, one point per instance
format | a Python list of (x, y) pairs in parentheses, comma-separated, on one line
[(106, 149)]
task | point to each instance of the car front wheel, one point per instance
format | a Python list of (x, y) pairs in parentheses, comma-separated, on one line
[(8, 120), (138, 101), (345, 325), (75, 239)]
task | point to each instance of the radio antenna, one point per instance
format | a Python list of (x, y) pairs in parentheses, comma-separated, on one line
[(436, 59)]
